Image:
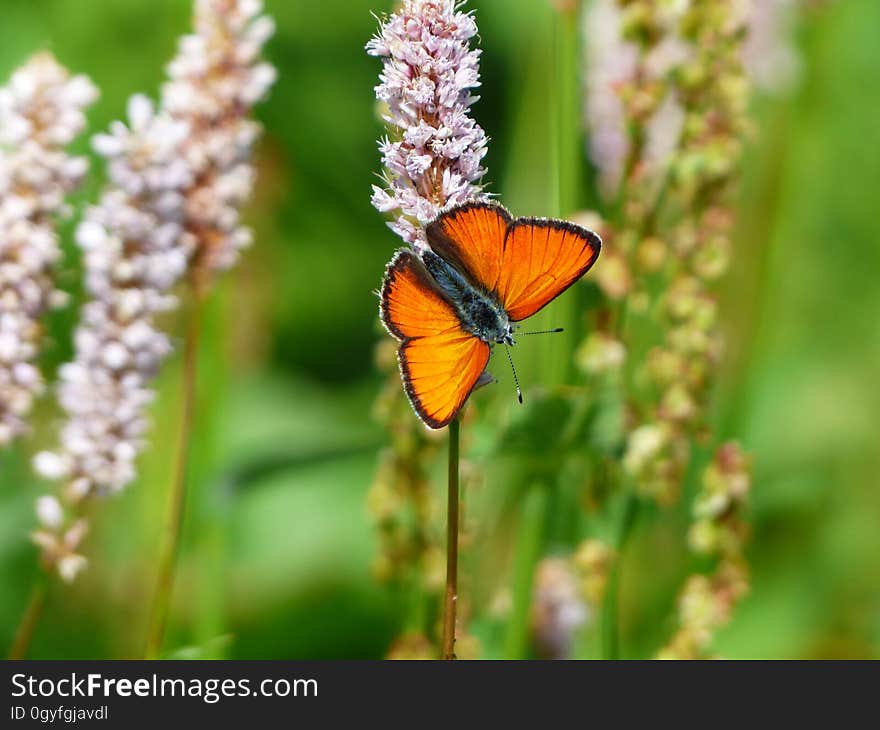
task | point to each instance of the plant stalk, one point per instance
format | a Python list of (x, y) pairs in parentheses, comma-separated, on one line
[(25, 631), (451, 543), (610, 617), (565, 152), (529, 543), (177, 497)]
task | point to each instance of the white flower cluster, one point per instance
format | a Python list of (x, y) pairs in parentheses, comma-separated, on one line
[(41, 112), (613, 65), (214, 82), (615, 68), (59, 543), (135, 249), (178, 175), (610, 62), (770, 57), (435, 156), (559, 610)]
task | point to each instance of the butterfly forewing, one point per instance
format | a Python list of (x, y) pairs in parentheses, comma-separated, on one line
[(525, 263), (542, 258), (471, 238), (440, 363)]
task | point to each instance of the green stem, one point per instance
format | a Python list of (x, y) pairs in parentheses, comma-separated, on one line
[(556, 354), (568, 140), (529, 542), (566, 155), (177, 497), (451, 543), (610, 615), (25, 631)]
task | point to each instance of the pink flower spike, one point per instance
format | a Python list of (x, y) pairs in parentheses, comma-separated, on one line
[(434, 157)]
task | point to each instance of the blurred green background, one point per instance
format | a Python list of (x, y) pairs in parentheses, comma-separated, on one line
[(278, 539)]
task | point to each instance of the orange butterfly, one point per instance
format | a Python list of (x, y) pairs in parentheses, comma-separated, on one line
[(449, 304)]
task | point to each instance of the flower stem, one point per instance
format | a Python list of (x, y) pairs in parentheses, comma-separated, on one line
[(565, 153), (610, 617), (177, 497), (451, 543), (25, 631), (565, 125)]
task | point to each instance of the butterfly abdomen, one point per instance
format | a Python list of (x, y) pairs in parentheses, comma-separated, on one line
[(480, 314)]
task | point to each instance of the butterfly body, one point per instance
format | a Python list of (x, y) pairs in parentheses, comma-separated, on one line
[(480, 312), (484, 272)]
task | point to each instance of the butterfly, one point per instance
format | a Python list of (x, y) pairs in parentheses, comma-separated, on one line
[(449, 304)]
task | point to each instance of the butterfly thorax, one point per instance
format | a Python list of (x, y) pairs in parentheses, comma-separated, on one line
[(480, 312)]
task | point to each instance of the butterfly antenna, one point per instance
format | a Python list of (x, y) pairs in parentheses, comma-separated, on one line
[(513, 370), (541, 332)]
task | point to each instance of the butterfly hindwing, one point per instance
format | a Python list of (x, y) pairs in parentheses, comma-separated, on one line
[(439, 373), (440, 363), (542, 258)]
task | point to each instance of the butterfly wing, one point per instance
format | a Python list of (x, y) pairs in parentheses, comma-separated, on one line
[(526, 262), (440, 363), (542, 258), (471, 238)]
